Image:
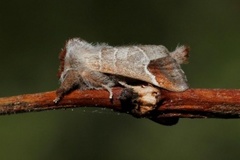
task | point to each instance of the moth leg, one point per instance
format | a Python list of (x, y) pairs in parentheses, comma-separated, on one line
[(69, 82), (109, 89), (96, 80), (124, 84)]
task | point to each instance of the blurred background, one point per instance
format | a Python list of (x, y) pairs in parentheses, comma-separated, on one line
[(32, 34)]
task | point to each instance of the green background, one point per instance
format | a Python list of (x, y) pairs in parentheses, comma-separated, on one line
[(32, 34)]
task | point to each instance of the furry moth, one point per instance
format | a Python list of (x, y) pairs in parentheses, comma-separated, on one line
[(88, 66)]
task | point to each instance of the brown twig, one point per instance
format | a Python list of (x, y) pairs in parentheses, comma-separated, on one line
[(202, 103), (193, 103)]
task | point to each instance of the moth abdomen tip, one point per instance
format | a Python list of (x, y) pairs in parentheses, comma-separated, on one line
[(181, 54)]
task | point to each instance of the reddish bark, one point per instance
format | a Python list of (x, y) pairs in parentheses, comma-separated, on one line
[(193, 103)]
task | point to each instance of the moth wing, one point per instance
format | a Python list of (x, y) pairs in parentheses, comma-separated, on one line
[(133, 63), (168, 74)]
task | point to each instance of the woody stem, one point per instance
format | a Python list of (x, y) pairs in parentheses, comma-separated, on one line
[(193, 103)]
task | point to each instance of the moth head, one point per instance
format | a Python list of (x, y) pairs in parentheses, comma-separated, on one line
[(69, 52), (75, 44)]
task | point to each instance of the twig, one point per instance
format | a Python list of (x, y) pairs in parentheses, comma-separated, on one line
[(193, 103), (202, 103)]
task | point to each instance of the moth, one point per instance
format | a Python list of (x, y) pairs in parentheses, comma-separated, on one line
[(101, 66)]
